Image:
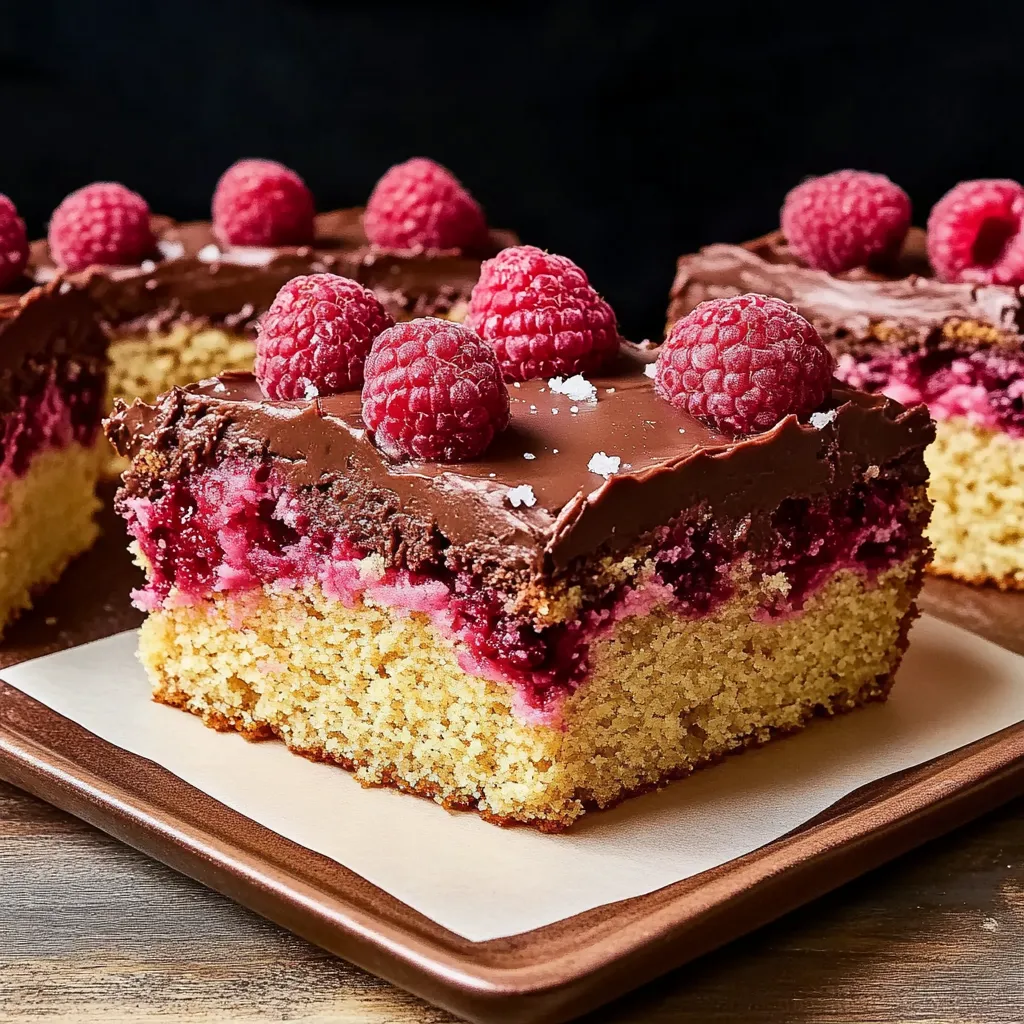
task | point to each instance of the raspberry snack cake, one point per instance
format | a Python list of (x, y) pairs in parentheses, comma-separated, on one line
[(180, 301), (530, 598), (52, 381), (930, 316)]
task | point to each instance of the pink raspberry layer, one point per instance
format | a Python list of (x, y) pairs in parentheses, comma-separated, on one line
[(237, 527), (61, 405), (982, 385)]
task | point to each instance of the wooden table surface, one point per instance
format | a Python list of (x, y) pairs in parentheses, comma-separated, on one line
[(90, 930)]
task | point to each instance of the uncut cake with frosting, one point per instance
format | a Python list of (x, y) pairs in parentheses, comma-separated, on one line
[(515, 565), (932, 316), (52, 383)]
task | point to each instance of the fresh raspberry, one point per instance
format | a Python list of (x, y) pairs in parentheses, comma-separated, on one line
[(316, 335), (262, 202), (13, 242), (740, 365), (976, 233), (844, 220), (434, 392), (541, 314), (104, 223), (422, 205)]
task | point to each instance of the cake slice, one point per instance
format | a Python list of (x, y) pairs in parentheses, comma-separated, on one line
[(611, 595), (188, 309), (52, 384), (897, 329)]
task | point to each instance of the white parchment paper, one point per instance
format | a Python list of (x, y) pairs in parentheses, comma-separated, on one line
[(484, 882)]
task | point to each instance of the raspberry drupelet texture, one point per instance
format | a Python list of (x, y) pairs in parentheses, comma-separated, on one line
[(541, 314), (742, 364), (976, 233), (262, 202), (13, 242), (104, 223), (433, 391), (316, 335), (422, 205), (846, 219)]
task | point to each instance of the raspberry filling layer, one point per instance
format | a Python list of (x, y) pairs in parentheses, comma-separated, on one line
[(983, 385), (63, 404), (235, 528)]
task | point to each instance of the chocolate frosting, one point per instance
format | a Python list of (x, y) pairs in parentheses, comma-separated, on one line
[(669, 461), (192, 276), (845, 305), (50, 314), (55, 322)]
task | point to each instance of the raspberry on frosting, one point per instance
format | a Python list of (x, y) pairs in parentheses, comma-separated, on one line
[(542, 315), (422, 205), (104, 223), (976, 232), (741, 364), (262, 202), (434, 392), (316, 335), (846, 219), (13, 242)]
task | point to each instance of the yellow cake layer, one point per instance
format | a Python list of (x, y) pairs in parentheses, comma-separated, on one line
[(46, 519), (147, 364), (977, 487), (382, 692)]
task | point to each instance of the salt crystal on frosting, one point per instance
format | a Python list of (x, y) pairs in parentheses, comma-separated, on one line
[(820, 420), (604, 465), (170, 250), (578, 388), (209, 253), (649, 369), (522, 495), (529, 455)]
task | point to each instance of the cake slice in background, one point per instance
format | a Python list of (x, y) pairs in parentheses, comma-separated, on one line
[(535, 600), (52, 384), (179, 301), (953, 340)]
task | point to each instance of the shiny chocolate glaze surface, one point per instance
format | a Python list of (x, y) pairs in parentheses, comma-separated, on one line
[(849, 305), (192, 276), (668, 461)]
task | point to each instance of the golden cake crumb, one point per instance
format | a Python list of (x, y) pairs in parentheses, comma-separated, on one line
[(382, 692), (977, 487), (46, 519), (145, 365)]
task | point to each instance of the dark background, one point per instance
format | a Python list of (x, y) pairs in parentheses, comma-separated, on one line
[(620, 135)]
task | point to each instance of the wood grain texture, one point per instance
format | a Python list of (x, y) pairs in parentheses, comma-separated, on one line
[(92, 931)]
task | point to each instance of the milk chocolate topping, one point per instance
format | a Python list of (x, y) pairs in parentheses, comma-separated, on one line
[(192, 276), (56, 322), (845, 304), (668, 461)]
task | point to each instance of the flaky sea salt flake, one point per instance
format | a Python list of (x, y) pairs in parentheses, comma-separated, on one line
[(578, 388), (604, 465), (521, 495)]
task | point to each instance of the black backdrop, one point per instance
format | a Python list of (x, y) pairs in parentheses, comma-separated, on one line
[(618, 134)]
